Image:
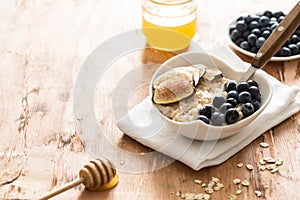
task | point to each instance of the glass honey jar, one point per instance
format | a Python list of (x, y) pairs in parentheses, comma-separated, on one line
[(169, 25)]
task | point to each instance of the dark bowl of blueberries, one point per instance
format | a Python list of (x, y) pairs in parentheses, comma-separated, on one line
[(248, 32)]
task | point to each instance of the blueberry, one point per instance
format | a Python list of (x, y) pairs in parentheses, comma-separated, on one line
[(297, 32), (240, 18), (268, 13), (264, 21), (242, 86), (274, 25), (252, 39), (224, 107), (230, 85), (232, 101), (232, 94), (284, 52), (273, 19), (259, 42), (217, 119), (241, 26), (256, 31), (203, 118), (244, 97), (253, 25), (255, 17), (235, 35), (207, 110), (231, 116), (247, 109), (294, 39), (266, 33), (266, 29), (294, 49), (278, 14), (288, 41), (280, 19), (246, 33), (255, 93), (231, 28), (245, 45), (248, 19), (218, 101), (239, 41), (298, 44), (252, 83), (253, 49), (256, 105)]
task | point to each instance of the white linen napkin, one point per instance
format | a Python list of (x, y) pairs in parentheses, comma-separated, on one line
[(144, 125)]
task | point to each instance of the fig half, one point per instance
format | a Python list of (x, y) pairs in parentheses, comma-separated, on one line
[(172, 90)]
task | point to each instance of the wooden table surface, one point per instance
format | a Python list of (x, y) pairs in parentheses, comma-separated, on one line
[(43, 46)]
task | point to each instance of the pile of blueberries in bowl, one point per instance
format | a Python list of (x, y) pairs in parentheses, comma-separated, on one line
[(249, 32), (241, 100)]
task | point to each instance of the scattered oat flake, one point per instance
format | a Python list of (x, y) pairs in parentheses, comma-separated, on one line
[(198, 181), (271, 166), (240, 165), (274, 170), (122, 162), (206, 197), (258, 193), (238, 192), (245, 183), (266, 186), (203, 185), (262, 168), (211, 184), (214, 179), (264, 144), (236, 181), (279, 162), (199, 196), (272, 160), (217, 188), (209, 190), (249, 166), (262, 162), (232, 197), (267, 158)]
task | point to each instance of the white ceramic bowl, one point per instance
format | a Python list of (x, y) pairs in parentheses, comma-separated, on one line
[(197, 129), (248, 53)]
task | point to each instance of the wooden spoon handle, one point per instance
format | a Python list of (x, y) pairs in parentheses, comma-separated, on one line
[(278, 37), (62, 189)]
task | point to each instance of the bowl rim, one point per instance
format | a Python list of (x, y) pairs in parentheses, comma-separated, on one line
[(232, 21), (227, 126)]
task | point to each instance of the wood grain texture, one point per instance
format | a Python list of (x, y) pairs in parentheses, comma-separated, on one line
[(43, 46)]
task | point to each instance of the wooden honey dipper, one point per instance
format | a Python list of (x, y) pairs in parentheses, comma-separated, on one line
[(97, 174)]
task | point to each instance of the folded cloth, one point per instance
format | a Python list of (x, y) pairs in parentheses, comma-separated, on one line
[(144, 124)]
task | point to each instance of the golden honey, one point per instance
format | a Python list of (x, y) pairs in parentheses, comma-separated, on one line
[(169, 25)]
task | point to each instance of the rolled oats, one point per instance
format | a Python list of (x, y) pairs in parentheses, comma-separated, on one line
[(198, 181), (274, 170), (245, 183), (264, 144), (238, 192), (236, 181), (258, 193), (240, 165), (249, 166)]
